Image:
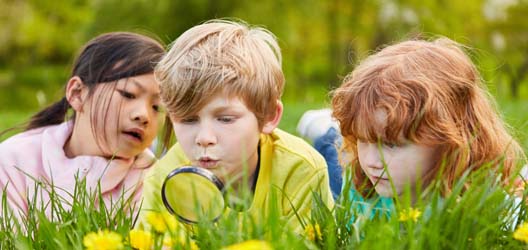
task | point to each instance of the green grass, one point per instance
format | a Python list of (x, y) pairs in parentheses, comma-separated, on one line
[(515, 113), (479, 216), (10, 119), (293, 112)]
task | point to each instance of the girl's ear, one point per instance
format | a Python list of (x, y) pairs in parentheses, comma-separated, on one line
[(273, 122), (76, 93)]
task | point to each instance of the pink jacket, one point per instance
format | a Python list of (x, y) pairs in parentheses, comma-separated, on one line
[(38, 155)]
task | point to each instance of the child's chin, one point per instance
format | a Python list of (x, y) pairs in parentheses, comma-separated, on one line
[(128, 154), (384, 192)]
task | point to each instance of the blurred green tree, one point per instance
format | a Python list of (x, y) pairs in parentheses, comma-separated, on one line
[(38, 38), (509, 39), (321, 40)]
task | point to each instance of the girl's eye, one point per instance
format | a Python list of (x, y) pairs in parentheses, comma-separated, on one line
[(156, 108), (226, 119), (126, 94), (390, 144)]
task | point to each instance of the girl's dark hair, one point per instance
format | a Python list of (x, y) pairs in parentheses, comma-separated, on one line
[(105, 59)]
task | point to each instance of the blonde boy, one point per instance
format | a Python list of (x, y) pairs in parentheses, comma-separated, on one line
[(221, 83)]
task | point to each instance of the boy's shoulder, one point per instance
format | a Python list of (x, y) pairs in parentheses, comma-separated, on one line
[(290, 148), (173, 158)]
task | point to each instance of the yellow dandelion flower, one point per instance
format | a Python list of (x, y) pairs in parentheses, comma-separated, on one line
[(250, 245), (140, 239), (521, 233), (161, 222), (168, 243), (194, 246), (103, 240), (313, 232), (410, 214)]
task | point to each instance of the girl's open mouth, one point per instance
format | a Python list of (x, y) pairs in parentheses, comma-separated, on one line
[(134, 134)]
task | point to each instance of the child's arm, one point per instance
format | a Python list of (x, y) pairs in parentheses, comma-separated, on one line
[(151, 197)]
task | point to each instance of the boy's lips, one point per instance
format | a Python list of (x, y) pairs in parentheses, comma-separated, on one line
[(207, 162)]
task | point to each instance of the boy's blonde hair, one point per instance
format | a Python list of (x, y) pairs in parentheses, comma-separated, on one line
[(226, 57), (433, 95)]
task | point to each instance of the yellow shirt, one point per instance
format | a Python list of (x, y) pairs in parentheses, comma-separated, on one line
[(288, 165)]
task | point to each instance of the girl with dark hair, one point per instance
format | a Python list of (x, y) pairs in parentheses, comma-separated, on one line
[(114, 102)]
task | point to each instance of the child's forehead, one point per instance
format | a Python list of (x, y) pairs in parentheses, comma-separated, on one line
[(224, 102), (380, 118), (376, 126), (375, 122)]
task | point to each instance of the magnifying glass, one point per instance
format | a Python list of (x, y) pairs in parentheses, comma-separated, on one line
[(193, 194)]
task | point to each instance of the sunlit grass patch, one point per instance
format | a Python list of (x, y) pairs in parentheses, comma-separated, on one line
[(9, 119), (478, 216)]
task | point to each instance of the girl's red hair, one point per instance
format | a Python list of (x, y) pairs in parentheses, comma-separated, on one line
[(433, 95)]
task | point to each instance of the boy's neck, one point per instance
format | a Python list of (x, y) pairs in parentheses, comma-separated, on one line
[(241, 187), (249, 182)]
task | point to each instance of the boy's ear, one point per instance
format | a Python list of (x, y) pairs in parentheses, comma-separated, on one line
[(76, 93), (273, 122)]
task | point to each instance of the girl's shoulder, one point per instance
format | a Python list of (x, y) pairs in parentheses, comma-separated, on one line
[(20, 151), (22, 141), (25, 144)]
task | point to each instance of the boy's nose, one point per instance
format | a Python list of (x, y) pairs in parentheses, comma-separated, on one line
[(205, 137)]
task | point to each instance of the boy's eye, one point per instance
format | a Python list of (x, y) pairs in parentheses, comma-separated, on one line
[(189, 120), (126, 94), (156, 108)]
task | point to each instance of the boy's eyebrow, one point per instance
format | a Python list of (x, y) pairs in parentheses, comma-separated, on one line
[(223, 108)]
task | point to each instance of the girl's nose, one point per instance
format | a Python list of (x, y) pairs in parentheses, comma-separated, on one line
[(372, 157), (141, 115)]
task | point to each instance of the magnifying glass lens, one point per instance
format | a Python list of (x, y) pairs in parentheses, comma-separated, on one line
[(193, 194)]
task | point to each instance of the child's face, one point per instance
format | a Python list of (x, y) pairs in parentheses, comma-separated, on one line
[(406, 162), (131, 123), (222, 137)]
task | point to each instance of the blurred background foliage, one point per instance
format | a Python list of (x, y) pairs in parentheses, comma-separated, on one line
[(321, 40)]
